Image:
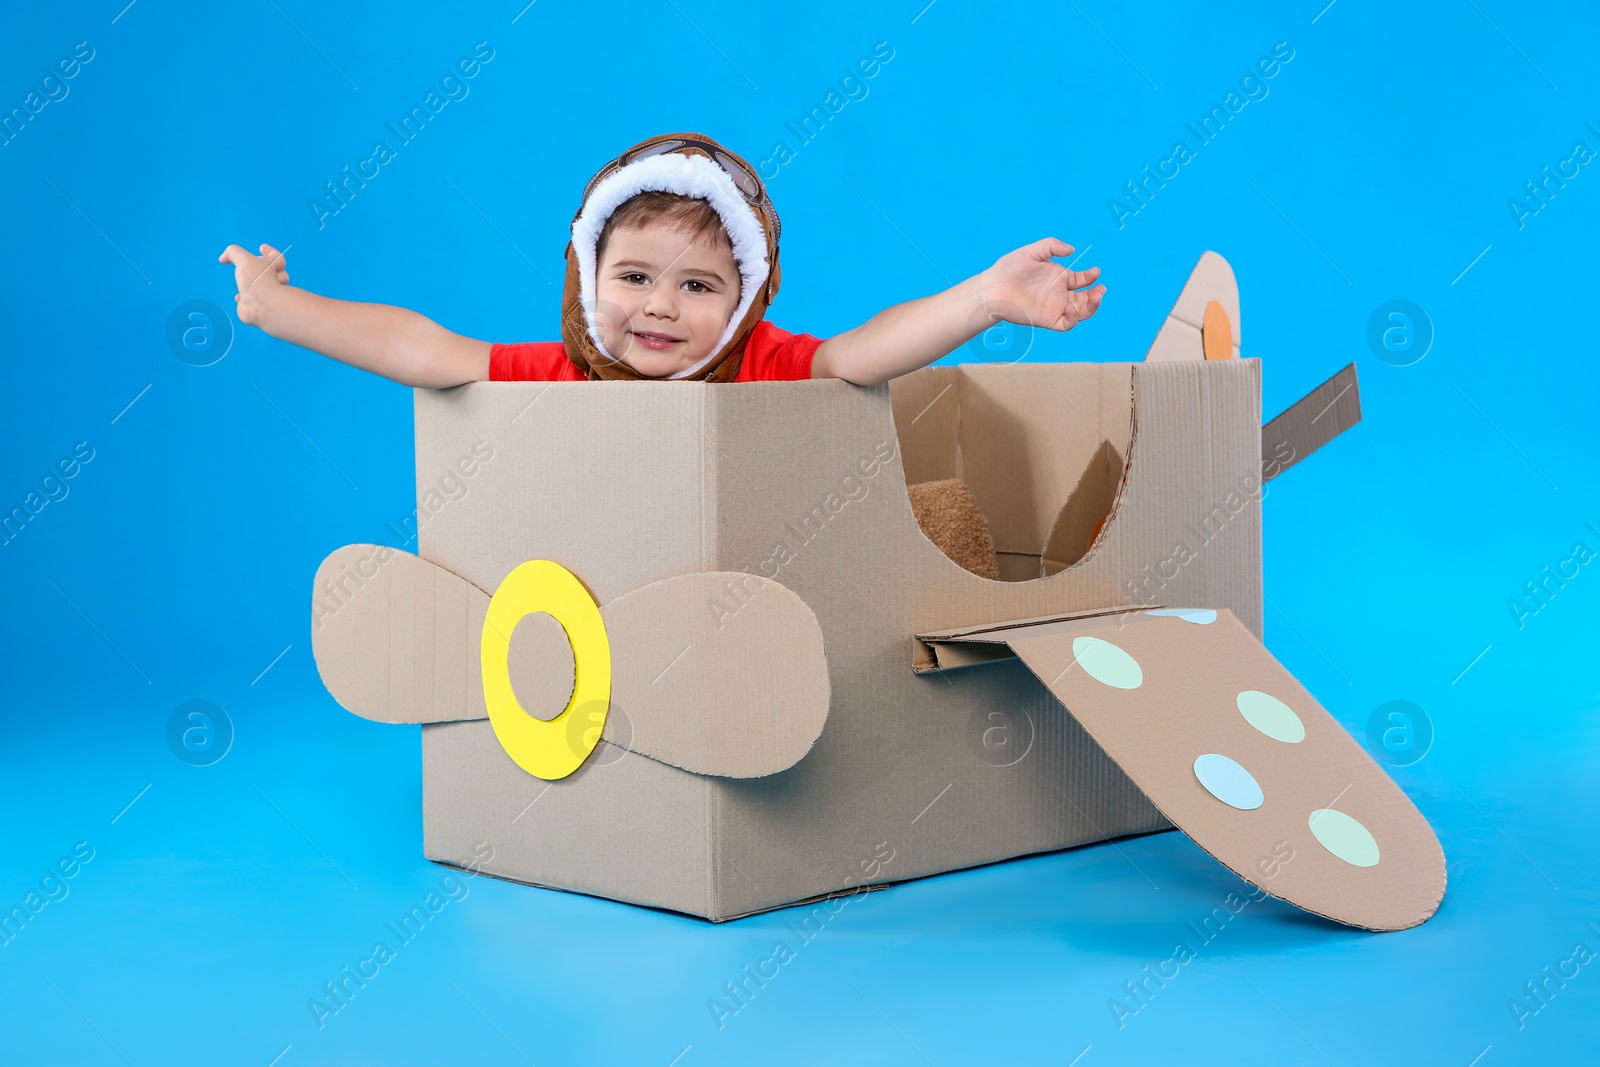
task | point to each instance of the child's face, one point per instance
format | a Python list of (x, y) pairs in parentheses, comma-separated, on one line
[(664, 299)]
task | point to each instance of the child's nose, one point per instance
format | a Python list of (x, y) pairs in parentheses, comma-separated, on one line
[(661, 302)]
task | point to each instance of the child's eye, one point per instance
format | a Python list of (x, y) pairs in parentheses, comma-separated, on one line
[(635, 279), (703, 287)]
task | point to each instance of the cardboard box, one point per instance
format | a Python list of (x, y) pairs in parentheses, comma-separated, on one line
[(808, 695)]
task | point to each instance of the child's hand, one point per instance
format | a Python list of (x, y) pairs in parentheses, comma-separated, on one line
[(1027, 287), (257, 277)]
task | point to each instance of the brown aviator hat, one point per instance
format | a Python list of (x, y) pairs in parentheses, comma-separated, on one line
[(689, 164)]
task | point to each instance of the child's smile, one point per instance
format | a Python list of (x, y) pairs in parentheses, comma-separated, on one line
[(664, 299), (658, 341)]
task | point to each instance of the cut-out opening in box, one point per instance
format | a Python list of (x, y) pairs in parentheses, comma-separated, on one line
[(1043, 450)]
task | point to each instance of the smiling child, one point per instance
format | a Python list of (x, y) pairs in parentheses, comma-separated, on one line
[(672, 266)]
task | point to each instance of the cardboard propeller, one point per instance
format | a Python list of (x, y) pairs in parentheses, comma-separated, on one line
[(1233, 750), (714, 673)]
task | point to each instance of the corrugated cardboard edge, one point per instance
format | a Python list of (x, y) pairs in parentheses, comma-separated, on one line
[(1129, 472), (818, 898), (944, 650), (873, 887)]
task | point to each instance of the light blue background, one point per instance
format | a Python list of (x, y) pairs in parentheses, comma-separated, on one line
[(1379, 167)]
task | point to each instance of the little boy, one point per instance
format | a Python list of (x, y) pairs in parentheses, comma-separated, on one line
[(672, 266)]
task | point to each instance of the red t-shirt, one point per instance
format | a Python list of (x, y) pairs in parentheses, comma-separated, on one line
[(770, 355)]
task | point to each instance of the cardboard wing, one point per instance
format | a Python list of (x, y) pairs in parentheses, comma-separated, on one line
[(702, 679), (1233, 750)]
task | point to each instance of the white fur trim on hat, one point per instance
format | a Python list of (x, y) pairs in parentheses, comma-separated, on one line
[(686, 175)]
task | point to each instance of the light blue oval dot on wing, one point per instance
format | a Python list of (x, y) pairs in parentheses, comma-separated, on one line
[(1106, 663), (1345, 837), (1198, 616), (1271, 716), (1228, 782)]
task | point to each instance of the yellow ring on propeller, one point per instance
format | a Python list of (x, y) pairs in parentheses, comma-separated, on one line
[(552, 749)]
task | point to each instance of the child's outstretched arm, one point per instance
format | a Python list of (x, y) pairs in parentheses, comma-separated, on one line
[(398, 344), (1025, 286)]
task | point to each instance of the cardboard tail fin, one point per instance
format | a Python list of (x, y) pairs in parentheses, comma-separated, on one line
[(1204, 323), (1234, 751)]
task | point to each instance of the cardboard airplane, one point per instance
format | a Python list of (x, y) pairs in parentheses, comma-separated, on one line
[(686, 645)]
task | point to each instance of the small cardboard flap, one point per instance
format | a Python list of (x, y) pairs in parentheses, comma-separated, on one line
[(1236, 753), (715, 673), (1310, 422), (964, 646)]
